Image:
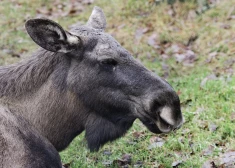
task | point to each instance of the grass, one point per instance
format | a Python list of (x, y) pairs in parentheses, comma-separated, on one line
[(204, 104)]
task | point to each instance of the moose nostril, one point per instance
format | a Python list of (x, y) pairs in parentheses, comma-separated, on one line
[(155, 106)]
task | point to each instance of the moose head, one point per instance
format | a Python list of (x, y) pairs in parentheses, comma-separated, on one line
[(114, 87)]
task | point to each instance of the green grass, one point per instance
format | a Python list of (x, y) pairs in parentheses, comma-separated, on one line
[(203, 103)]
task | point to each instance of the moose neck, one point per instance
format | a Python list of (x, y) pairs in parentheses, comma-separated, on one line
[(34, 89), (19, 79)]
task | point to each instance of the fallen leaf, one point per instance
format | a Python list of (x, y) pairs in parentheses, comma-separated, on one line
[(125, 161), (213, 127), (44, 10), (225, 26), (173, 49), (88, 2), (191, 57), (127, 158), (152, 41), (202, 124), (199, 110), (161, 166), (208, 151), (230, 12), (191, 15), (119, 162), (137, 134), (180, 57), (228, 159), (209, 77), (233, 116), (139, 33), (192, 38), (156, 142), (176, 163), (211, 56), (209, 164), (61, 9), (107, 152), (107, 163), (67, 165), (138, 164)]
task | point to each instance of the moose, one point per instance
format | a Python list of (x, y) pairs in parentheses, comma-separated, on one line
[(78, 80)]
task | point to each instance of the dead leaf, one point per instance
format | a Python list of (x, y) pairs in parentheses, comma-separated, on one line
[(44, 10), (152, 41), (232, 17), (228, 159), (87, 2), (107, 163), (61, 9), (190, 57), (173, 49), (161, 166), (209, 77), (137, 134), (125, 161), (192, 38), (213, 127), (180, 57), (225, 26), (127, 158), (211, 56), (139, 33), (67, 165), (12, 52), (119, 162), (209, 164), (176, 163), (230, 12), (179, 92), (191, 15), (107, 152), (225, 160), (208, 151), (138, 164), (202, 124), (156, 142), (233, 116)]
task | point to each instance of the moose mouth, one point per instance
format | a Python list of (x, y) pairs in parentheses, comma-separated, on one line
[(163, 125), (160, 120), (160, 124)]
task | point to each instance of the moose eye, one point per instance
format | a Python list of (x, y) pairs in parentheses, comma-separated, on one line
[(109, 61)]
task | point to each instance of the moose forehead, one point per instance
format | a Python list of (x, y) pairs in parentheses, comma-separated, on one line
[(101, 43)]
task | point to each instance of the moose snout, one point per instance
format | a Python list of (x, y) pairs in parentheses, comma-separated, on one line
[(169, 119), (164, 109)]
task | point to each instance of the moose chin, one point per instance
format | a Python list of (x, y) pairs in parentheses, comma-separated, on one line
[(78, 80)]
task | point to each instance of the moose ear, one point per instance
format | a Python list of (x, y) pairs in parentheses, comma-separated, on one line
[(97, 19), (51, 36)]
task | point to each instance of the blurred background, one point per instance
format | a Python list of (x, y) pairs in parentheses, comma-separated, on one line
[(190, 43)]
